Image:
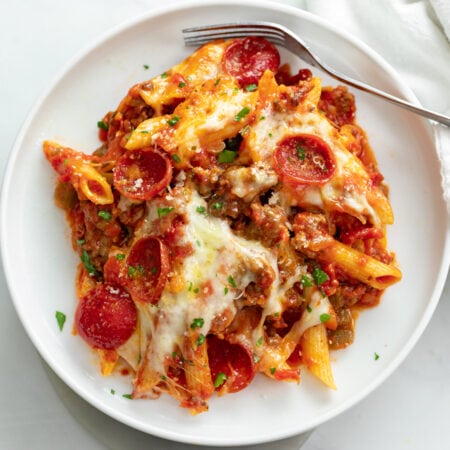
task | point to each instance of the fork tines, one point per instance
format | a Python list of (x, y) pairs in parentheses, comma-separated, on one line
[(203, 34)]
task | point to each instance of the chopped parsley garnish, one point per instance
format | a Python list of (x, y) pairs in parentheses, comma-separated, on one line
[(220, 379), (201, 339), (259, 341), (120, 256), (241, 114), (226, 156), (217, 205), (325, 317), (198, 322), (309, 309), (146, 66), (113, 391), (319, 276), (201, 209), (181, 84), (61, 319), (135, 270), (376, 356), (251, 87), (305, 281), (273, 370), (226, 290), (196, 290), (162, 212), (86, 260), (128, 396), (104, 215), (173, 121), (102, 125), (176, 158), (81, 241), (301, 153), (164, 75), (231, 281)]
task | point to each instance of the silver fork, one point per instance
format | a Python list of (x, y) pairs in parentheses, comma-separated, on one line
[(282, 36)]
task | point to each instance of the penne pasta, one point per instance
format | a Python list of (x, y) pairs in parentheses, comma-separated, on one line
[(316, 355)]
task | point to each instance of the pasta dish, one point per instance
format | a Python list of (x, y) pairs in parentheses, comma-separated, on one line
[(230, 222)]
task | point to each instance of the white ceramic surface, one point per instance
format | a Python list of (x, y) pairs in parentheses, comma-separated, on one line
[(39, 263)]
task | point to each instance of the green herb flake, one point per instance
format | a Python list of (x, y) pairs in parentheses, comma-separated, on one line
[(231, 281), (309, 309), (376, 356), (146, 66), (154, 270), (201, 209), (128, 396), (173, 121), (61, 319), (256, 358), (319, 276), (325, 317), (163, 377), (198, 322), (305, 281), (226, 290), (201, 339), (273, 370), (176, 158), (120, 256), (104, 214), (102, 125), (217, 205), (81, 241), (86, 260), (226, 156), (241, 114), (181, 84), (196, 290), (162, 212), (301, 153), (113, 391), (164, 75), (251, 87), (135, 270), (220, 379), (259, 342)]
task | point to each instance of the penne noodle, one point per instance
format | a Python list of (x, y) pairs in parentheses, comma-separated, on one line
[(316, 355)]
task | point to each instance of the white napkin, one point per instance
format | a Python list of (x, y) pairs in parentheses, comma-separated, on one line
[(413, 36)]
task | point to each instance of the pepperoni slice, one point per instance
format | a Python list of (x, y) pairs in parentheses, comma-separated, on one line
[(248, 58), (106, 316), (304, 159), (147, 269), (142, 174), (232, 366)]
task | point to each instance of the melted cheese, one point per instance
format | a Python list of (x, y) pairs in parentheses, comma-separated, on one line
[(220, 267)]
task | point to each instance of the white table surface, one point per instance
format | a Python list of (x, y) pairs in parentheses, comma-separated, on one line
[(410, 411)]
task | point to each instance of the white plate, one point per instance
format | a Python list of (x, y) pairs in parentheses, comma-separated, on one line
[(40, 264)]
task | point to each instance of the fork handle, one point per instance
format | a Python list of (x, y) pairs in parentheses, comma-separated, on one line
[(437, 117)]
